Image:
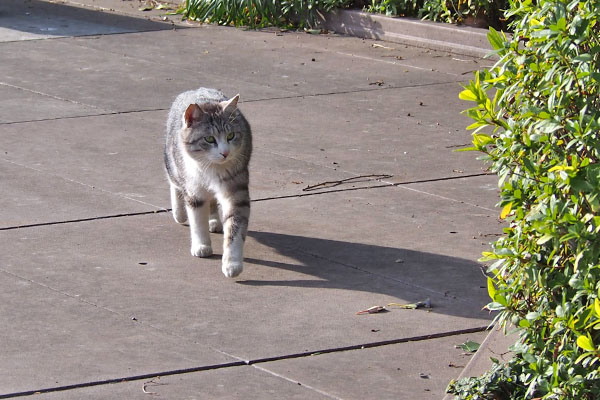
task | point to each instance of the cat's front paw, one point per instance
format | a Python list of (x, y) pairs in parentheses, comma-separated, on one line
[(202, 251), (215, 226), (232, 269)]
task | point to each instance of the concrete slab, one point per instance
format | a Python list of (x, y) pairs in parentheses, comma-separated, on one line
[(413, 370), (275, 61), (34, 19), (406, 59), (295, 278), (68, 70), (118, 157), (32, 196), (389, 225), (275, 176), (51, 338), (400, 53), (164, 69), (105, 299), (405, 371), (495, 345), (245, 382), (17, 105), (379, 132), (284, 161)]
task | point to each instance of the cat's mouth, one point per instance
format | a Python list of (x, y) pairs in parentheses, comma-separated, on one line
[(221, 161)]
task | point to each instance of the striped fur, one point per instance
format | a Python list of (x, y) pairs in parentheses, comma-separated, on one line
[(207, 151)]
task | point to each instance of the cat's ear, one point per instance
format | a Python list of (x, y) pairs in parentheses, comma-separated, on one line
[(192, 114), (230, 105)]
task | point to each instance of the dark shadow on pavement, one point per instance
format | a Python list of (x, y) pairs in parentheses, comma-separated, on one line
[(53, 19), (456, 286)]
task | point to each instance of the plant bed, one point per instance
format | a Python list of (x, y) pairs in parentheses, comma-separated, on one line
[(306, 13)]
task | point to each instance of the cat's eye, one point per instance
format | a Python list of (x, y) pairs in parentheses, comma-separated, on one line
[(230, 136), (210, 139)]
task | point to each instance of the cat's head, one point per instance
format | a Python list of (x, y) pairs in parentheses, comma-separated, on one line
[(212, 131)]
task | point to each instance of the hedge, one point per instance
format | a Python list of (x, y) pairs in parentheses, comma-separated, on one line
[(536, 121)]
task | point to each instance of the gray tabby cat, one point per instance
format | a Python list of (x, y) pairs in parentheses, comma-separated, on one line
[(207, 151)]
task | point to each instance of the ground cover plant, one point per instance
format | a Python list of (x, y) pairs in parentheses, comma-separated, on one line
[(259, 13), (537, 121), (305, 13), (475, 12)]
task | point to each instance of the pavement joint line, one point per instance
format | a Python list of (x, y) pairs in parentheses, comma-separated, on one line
[(370, 345), (161, 210), (351, 91), (252, 362), (101, 114), (448, 198), (50, 96), (73, 221), (304, 385), (123, 112), (239, 362), (384, 185), (121, 380), (80, 183)]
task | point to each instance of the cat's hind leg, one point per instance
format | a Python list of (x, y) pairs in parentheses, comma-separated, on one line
[(197, 211), (178, 205), (214, 219)]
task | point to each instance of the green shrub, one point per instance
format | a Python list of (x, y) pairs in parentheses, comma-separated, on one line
[(259, 13), (537, 121), (477, 12), (395, 7), (304, 13)]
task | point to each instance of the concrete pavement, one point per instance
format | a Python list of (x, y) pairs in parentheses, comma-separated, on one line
[(99, 297)]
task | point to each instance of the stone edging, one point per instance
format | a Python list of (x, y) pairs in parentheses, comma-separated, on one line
[(462, 40)]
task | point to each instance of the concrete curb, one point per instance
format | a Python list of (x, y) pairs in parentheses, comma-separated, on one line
[(496, 345), (462, 40)]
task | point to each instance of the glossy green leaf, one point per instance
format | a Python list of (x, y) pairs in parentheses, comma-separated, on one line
[(467, 95), (585, 343), (495, 39)]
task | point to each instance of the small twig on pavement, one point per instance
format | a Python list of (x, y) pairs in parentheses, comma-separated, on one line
[(152, 382), (355, 179)]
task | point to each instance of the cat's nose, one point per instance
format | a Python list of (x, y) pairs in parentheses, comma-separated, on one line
[(225, 154)]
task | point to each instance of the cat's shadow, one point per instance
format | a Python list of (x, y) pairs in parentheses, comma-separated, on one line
[(456, 286)]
